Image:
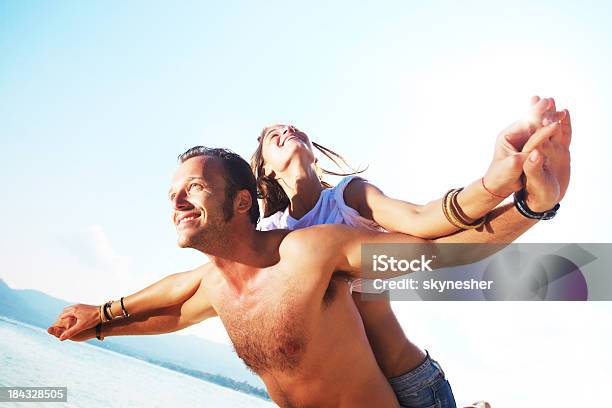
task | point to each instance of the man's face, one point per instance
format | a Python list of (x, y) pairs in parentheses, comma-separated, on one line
[(198, 196)]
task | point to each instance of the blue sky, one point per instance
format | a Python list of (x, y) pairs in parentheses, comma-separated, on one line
[(97, 99)]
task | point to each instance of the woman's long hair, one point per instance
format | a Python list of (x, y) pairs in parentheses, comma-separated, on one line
[(270, 191)]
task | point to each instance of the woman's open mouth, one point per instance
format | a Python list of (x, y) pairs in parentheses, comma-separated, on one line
[(291, 138)]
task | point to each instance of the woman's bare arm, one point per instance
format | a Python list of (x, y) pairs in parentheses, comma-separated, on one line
[(424, 221), (501, 179)]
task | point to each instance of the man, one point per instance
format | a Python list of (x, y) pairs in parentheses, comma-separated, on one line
[(281, 295)]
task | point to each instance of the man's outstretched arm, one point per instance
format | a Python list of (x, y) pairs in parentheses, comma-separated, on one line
[(344, 244), (169, 291), (172, 290), (163, 320)]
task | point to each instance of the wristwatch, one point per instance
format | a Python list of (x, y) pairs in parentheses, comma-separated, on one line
[(521, 206)]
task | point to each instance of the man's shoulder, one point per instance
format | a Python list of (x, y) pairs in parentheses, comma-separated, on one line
[(313, 250), (316, 236)]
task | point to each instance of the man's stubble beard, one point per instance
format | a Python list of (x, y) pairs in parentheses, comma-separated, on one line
[(214, 234)]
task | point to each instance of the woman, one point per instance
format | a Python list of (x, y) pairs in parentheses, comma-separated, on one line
[(294, 196)]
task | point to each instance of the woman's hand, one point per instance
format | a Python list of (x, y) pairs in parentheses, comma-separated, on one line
[(515, 143)]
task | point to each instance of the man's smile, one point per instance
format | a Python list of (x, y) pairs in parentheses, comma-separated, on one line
[(186, 218)]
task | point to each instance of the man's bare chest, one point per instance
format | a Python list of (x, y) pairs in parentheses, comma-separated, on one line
[(271, 325), (268, 330)]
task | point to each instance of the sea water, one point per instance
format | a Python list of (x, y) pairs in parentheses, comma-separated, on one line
[(97, 377)]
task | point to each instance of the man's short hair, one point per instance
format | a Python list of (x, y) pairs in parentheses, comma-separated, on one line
[(238, 176)]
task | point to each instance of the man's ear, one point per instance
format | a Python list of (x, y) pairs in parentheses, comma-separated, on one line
[(243, 201)]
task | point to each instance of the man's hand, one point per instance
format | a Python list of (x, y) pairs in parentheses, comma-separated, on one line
[(547, 170), (81, 317), (61, 325), (514, 145)]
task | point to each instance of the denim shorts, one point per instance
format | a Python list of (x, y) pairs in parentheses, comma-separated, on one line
[(424, 387)]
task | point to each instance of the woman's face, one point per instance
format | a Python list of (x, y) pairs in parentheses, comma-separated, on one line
[(283, 143)]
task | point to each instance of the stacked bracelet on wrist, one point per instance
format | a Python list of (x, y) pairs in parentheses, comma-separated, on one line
[(452, 211), (521, 206), (106, 314)]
